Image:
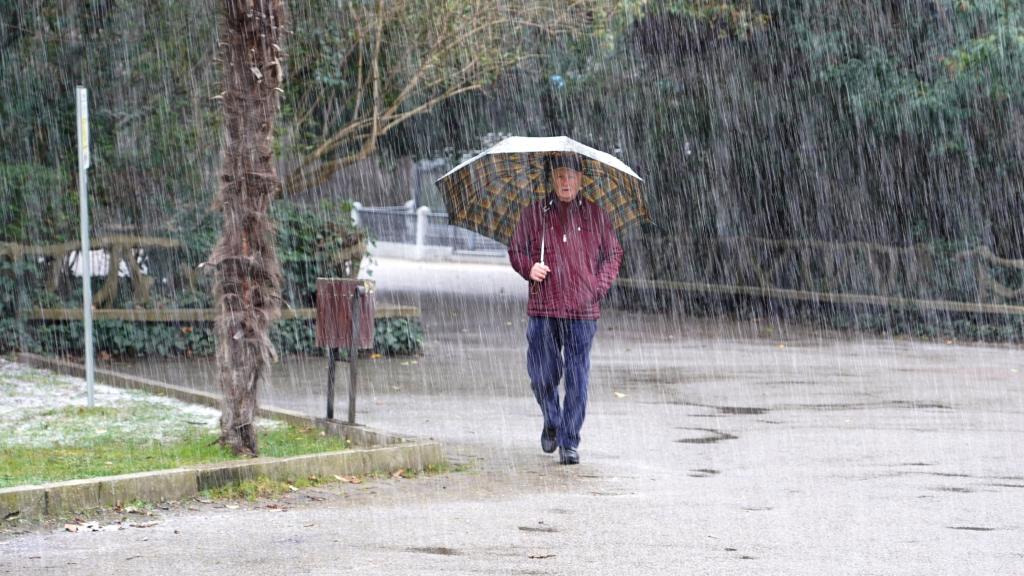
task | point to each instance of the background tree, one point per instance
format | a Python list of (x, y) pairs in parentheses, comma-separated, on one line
[(154, 127), (373, 66), (247, 282)]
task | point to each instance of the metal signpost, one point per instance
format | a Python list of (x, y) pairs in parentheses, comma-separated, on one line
[(84, 256)]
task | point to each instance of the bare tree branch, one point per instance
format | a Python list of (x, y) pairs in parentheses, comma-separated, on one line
[(452, 48)]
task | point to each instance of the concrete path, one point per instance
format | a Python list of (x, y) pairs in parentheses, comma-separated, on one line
[(709, 448)]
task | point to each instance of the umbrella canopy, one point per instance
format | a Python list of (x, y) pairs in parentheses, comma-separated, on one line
[(486, 193)]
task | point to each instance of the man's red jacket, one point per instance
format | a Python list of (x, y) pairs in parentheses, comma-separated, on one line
[(581, 249)]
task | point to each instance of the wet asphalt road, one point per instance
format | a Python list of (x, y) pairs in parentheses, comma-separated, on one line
[(733, 448)]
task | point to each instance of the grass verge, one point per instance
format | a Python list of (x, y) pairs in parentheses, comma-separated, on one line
[(108, 453)]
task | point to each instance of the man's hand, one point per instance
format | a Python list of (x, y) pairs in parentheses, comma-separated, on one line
[(539, 272)]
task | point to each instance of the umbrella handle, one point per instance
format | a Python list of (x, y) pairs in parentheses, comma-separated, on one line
[(535, 286)]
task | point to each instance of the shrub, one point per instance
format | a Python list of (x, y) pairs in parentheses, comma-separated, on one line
[(123, 339)]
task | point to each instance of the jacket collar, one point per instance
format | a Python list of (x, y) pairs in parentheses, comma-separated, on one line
[(552, 201)]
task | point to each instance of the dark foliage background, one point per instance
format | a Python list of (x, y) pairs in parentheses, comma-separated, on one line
[(836, 127)]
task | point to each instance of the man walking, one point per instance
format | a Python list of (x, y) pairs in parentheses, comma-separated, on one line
[(566, 247)]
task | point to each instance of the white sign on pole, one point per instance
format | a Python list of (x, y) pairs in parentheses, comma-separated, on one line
[(82, 104)]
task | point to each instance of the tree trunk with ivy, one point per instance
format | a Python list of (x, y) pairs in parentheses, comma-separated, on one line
[(247, 285)]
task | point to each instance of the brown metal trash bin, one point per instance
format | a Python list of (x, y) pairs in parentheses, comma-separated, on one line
[(334, 312), (344, 306)]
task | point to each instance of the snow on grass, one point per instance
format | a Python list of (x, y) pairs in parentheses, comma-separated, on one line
[(39, 408)]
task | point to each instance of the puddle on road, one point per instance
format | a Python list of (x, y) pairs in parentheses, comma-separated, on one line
[(741, 410), (641, 377), (712, 437), (822, 407), (833, 407), (722, 410), (957, 489), (438, 550), (547, 529)]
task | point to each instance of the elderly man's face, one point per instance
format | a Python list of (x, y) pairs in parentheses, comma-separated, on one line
[(567, 183)]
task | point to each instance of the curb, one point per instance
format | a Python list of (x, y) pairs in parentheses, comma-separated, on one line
[(380, 452), (179, 484)]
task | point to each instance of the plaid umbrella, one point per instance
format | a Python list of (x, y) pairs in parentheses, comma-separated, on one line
[(486, 192)]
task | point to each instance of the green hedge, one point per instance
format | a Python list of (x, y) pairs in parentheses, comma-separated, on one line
[(121, 339)]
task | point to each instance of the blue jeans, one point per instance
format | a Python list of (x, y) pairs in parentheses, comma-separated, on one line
[(549, 339)]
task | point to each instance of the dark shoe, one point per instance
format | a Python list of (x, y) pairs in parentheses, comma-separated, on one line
[(549, 440), (568, 456)]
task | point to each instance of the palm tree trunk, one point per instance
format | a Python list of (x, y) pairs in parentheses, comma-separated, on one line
[(247, 285)]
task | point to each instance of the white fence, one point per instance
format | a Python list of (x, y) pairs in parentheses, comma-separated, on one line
[(422, 229)]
